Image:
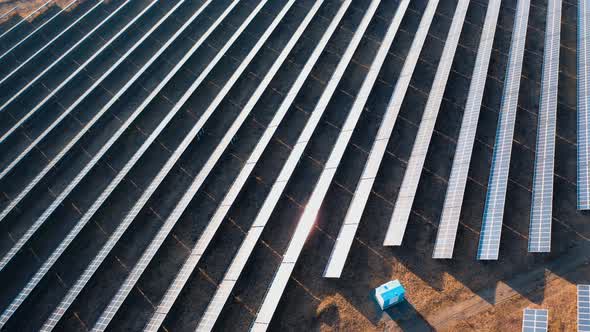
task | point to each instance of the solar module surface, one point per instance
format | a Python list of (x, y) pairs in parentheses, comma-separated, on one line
[(348, 230), (310, 213), (583, 296), (491, 230), (534, 320), (583, 84), (179, 209), (196, 165), (201, 245), (407, 192), (451, 211), (238, 263), (542, 200)]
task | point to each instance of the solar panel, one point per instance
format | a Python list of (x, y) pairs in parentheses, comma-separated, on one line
[(308, 217), (109, 189), (583, 308), (583, 181), (24, 19), (54, 63), (542, 198), (363, 188), (8, 12), (49, 43), (407, 192), (53, 92), (72, 185), (228, 200), (61, 11), (449, 221), (534, 320), (239, 261), (140, 203), (179, 209), (489, 241)]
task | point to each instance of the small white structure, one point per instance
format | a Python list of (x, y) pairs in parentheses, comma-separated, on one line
[(389, 294)]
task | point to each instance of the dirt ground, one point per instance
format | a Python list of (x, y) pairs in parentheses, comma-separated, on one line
[(26, 7)]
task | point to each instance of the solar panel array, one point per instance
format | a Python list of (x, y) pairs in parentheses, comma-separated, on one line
[(32, 57), (215, 222), (307, 219), (583, 308), (16, 159), (542, 198), (109, 312), (534, 320), (583, 80), (407, 192), (37, 29), (179, 209), (220, 297), (72, 185), (12, 77), (489, 240), (95, 264), (116, 98), (363, 189), (451, 211)]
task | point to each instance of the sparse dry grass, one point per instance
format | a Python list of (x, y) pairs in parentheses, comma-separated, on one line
[(26, 7)]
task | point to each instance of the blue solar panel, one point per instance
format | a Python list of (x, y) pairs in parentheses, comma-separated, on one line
[(583, 308), (220, 214), (542, 200), (353, 215), (115, 182), (140, 203), (308, 217), (22, 242), (449, 221), (535, 320), (583, 52), (26, 18), (199, 179), (239, 262), (32, 33), (14, 163), (407, 192), (489, 241)]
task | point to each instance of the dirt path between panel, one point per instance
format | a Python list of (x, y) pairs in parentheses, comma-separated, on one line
[(527, 284), (25, 7)]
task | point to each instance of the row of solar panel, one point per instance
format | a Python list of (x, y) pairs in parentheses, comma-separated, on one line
[(75, 290), (489, 243), (541, 216), (537, 320), (583, 76), (94, 265)]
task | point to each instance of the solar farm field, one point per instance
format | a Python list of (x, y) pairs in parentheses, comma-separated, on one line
[(232, 165)]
